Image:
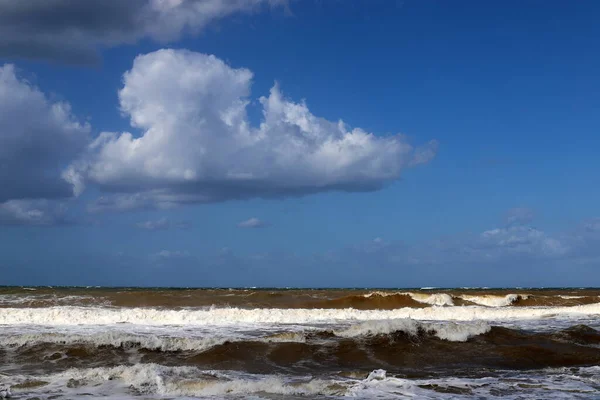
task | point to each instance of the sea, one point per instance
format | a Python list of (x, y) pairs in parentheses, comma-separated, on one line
[(248, 343)]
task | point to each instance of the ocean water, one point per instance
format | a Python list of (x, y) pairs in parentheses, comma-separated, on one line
[(128, 343)]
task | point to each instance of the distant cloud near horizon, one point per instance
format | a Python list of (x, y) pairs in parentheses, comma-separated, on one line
[(252, 223), (33, 212), (502, 255), (166, 254), (519, 216), (592, 225), (74, 31), (162, 224)]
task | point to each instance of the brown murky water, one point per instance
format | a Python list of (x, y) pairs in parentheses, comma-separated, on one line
[(276, 343), (363, 299)]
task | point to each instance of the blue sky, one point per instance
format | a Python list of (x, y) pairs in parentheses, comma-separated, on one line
[(133, 157)]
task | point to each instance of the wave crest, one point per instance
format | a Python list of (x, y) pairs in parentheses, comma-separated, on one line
[(69, 315)]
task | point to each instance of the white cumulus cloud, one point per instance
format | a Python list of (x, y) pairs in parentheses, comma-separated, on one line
[(195, 143)]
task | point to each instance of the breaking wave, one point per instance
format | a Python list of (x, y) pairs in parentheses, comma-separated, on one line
[(403, 345), (154, 379), (71, 315), (454, 332), (230, 343), (493, 300)]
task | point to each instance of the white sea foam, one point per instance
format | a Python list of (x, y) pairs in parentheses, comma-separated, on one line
[(450, 331), (270, 385), (178, 339), (50, 300), (435, 299), (115, 339), (490, 300), (69, 315), (5, 391), (542, 384), (152, 381), (379, 293)]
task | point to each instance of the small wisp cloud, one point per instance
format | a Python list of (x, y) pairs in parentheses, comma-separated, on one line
[(253, 223)]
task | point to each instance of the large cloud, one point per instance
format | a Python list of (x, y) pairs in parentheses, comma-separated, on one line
[(197, 145), (38, 139), (73, 30)]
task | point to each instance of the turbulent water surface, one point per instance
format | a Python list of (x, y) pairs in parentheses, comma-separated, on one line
[(65, 343)]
